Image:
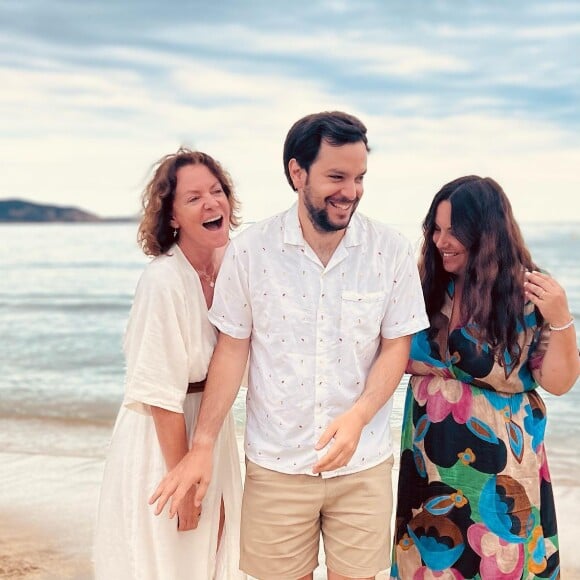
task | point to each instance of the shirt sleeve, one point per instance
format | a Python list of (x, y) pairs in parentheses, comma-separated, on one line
[(231, 311), (155, 346), (405, 312)]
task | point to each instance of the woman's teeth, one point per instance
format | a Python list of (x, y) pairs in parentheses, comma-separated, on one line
[(213, 223)]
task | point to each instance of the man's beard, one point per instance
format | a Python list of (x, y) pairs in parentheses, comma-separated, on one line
[(319, 217)]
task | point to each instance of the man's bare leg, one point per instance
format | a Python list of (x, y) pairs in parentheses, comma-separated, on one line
[(334, 576)]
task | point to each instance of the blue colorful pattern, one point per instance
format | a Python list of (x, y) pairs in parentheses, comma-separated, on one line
[(475, 496)]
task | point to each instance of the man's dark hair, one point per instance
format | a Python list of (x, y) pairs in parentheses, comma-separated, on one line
[(305, 136)]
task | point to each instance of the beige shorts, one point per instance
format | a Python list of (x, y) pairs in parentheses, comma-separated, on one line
[(283, 516)]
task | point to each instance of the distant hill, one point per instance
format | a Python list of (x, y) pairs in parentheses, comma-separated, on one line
[(18, 210)]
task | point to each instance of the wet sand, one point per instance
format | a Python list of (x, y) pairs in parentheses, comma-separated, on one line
[(48, 504)]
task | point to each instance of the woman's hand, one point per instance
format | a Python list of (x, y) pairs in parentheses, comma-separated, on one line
[(560, 367), (188, 514), (191, 476), (549, 297)]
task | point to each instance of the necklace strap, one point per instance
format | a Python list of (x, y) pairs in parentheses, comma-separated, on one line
[(210, 279)]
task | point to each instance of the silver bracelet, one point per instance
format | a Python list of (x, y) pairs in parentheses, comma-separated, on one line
[(567, 325)]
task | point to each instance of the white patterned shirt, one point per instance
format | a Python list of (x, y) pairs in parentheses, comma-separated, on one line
[(315, 332)]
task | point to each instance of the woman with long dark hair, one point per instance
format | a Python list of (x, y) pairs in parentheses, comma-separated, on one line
[(475, 495)]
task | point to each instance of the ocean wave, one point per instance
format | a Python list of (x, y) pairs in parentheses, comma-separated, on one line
[(73, 306), (67, 264), (103, 419), (61, 296), (71, 410), (69, 302)]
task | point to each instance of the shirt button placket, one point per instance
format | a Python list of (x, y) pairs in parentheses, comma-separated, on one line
[(322, 369)]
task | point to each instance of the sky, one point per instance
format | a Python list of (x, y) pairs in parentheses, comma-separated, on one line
[(94, 92)]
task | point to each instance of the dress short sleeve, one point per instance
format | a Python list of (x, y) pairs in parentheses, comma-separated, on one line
[(155, 344)]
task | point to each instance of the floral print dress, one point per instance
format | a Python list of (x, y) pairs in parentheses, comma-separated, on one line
[(475, 495)]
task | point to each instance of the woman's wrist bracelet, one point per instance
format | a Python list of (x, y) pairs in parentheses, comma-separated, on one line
[(567, 325)]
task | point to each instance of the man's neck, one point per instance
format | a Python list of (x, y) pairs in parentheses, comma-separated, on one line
[(322, 243)]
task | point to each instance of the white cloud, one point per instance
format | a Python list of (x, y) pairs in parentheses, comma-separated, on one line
[(508, 32), (338, 6), (86, 134), (406, 61), (555, 9), (411, 159), (479, 31), (547, 32), (369, 55)]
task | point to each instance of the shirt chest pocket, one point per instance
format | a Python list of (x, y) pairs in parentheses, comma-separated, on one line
[(361, 316)]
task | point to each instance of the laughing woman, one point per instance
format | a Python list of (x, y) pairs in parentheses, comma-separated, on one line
[(475, 495), (189, 208)]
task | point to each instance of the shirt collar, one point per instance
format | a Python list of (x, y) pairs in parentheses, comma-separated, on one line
[(293, 230)]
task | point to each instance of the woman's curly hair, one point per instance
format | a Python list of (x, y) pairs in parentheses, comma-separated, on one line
[(493, 292), (155, 233)]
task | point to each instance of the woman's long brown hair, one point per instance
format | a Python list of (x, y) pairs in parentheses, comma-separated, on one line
[(493, 293)]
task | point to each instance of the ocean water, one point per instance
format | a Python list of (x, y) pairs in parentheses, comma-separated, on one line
[(65, 294)]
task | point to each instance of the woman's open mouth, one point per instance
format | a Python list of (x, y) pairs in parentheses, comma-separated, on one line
[(214, 224)]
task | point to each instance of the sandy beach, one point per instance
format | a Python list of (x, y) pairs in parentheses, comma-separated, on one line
[(48, 502), (47, 507)]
